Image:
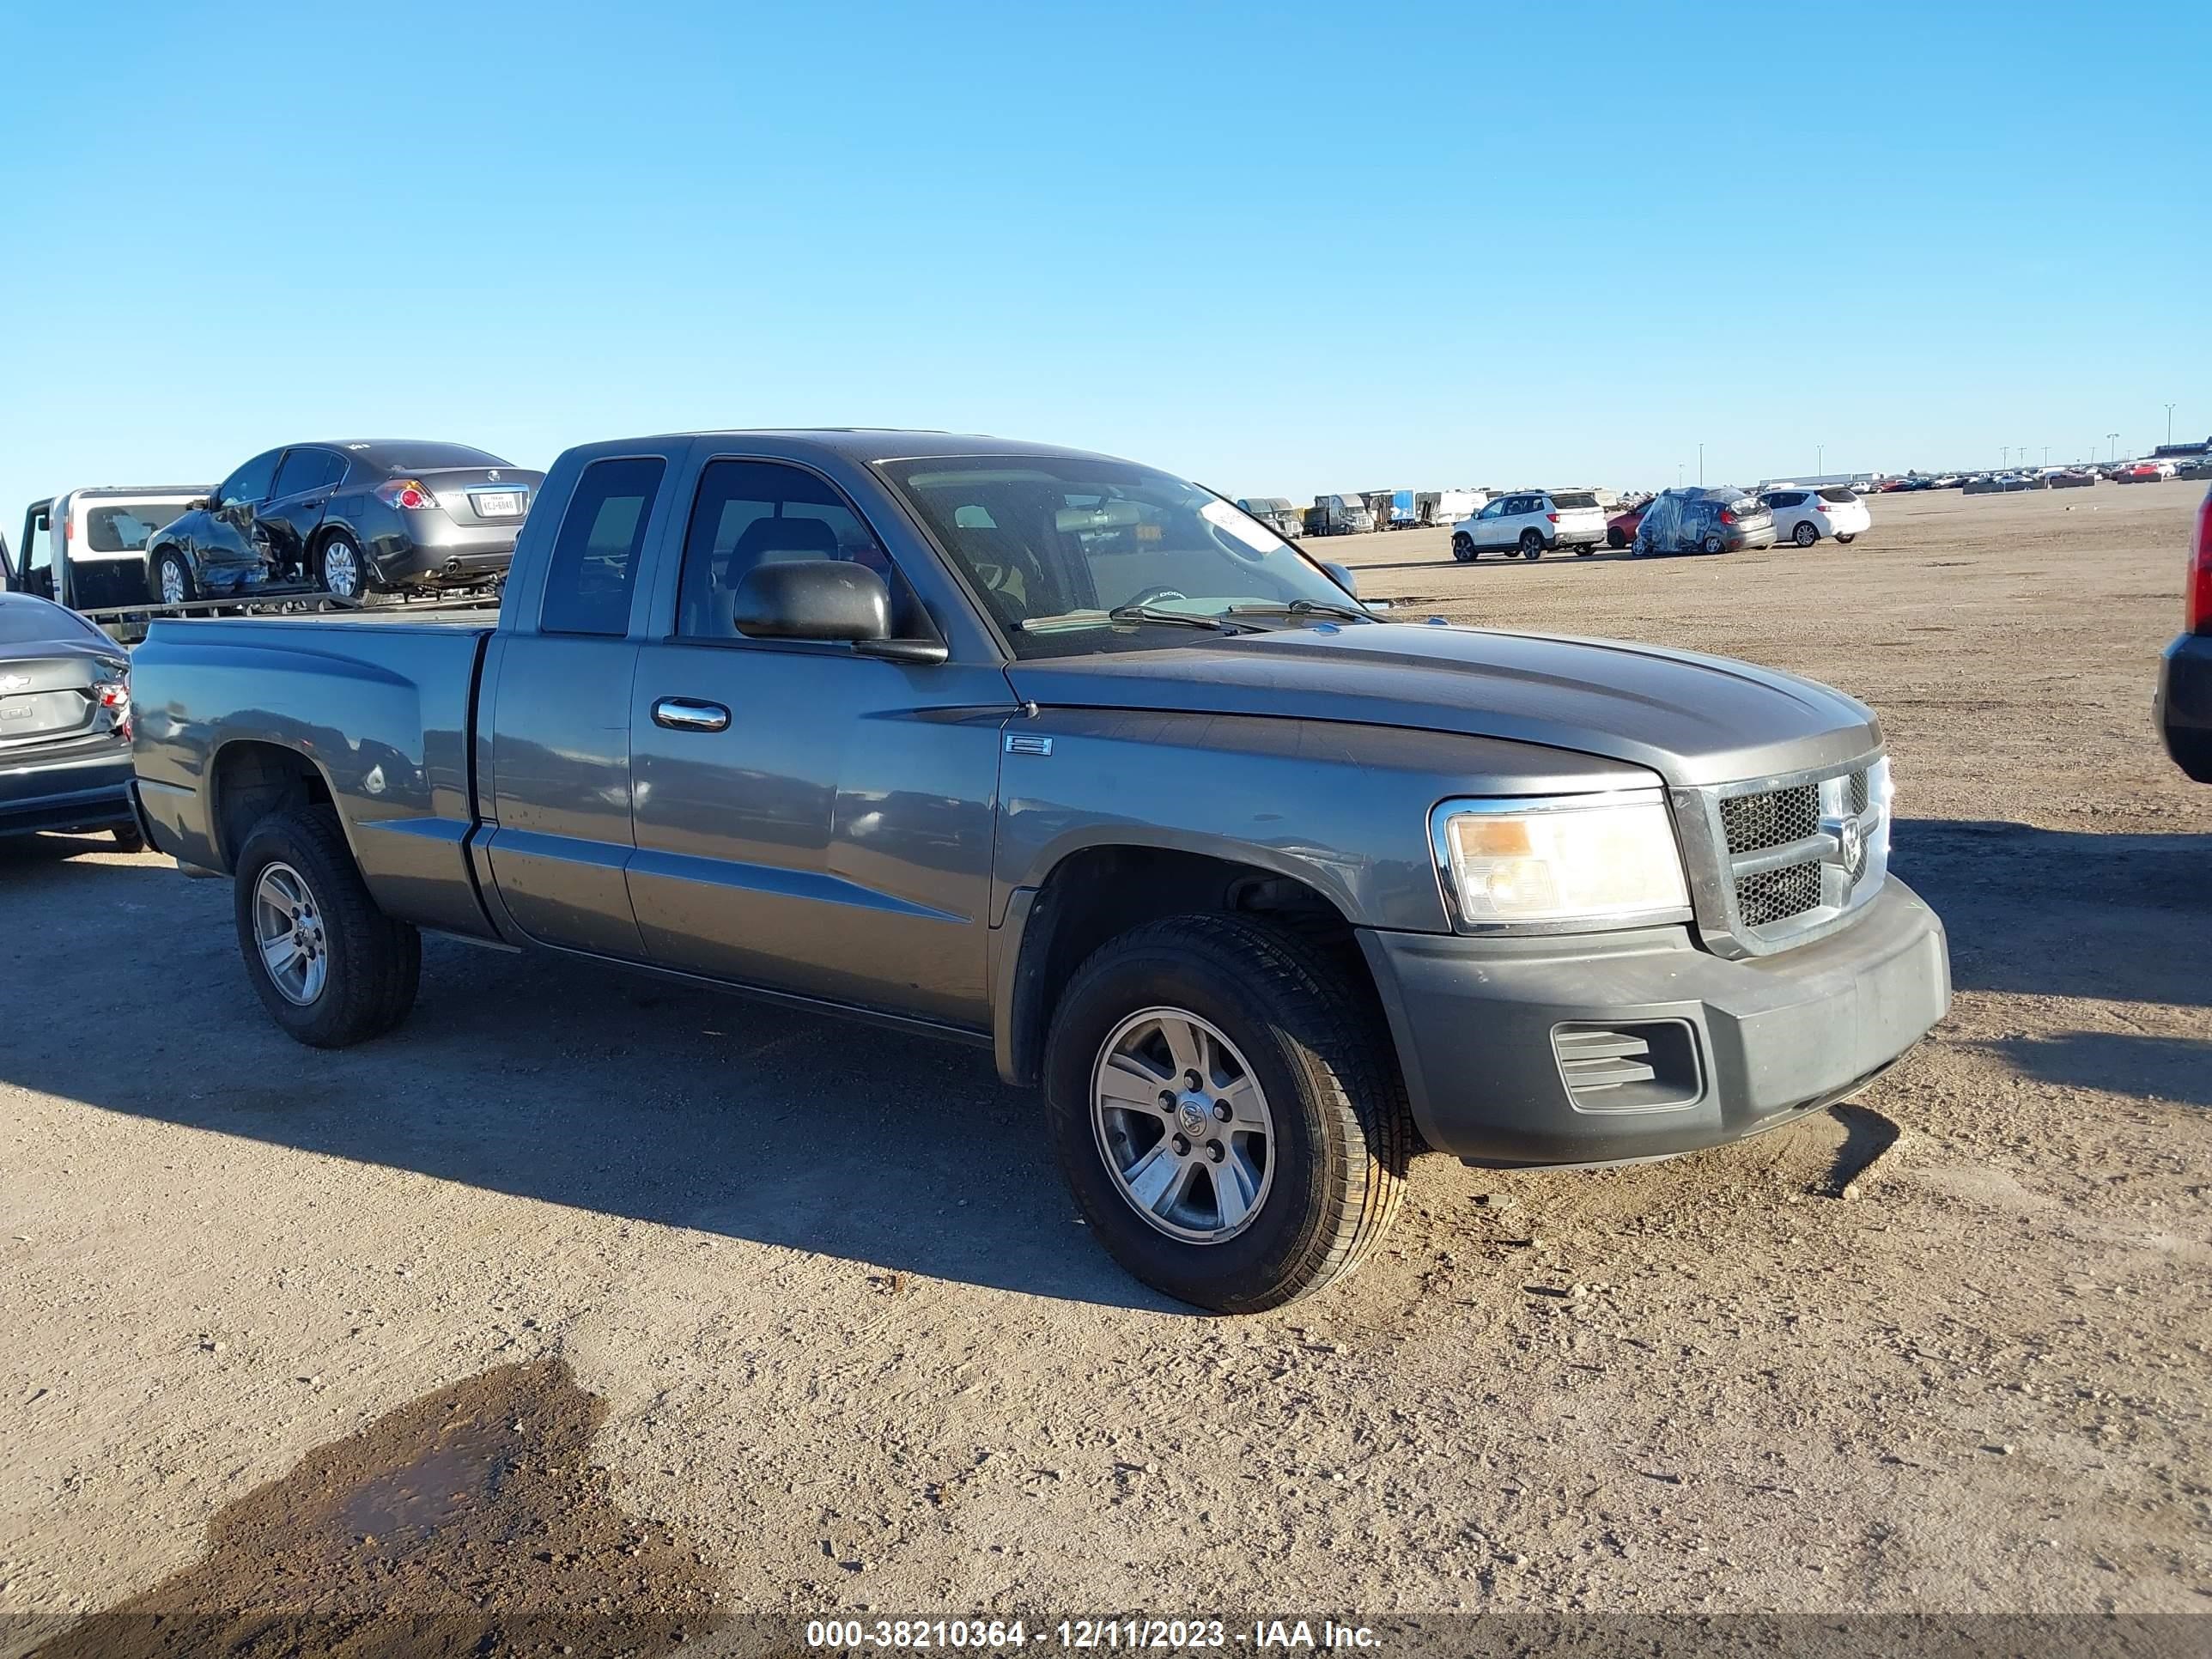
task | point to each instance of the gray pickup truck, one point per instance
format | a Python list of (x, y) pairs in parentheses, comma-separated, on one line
[(1069, 758)]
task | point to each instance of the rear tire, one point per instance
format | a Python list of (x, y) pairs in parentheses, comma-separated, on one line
[(1715, 543), (1532, 544), (1463, 548), (1807, 533), (372, 964), (127, 838), (1585, 552), (1302, 1040), (172, 579), (339, 569), (1845, 541)]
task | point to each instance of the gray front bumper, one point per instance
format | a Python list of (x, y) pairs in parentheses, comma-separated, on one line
[(1474, 1022)]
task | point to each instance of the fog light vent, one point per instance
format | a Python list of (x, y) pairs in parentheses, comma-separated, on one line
[(1644, 1065)]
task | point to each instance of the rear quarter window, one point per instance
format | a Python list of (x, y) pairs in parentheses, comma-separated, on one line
[(594, 567)]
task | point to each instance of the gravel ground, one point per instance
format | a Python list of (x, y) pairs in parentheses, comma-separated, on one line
[(855, 1352)]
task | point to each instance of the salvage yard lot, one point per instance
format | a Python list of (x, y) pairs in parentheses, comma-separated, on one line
[(856, 1351)]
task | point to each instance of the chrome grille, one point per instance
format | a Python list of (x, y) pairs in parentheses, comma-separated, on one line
[(1795, 856)]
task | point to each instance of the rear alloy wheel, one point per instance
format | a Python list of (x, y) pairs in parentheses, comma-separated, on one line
[(1805, 534), (340, 567), (1714, 543), (172, 579), (1532, 544), (330, 966), (1463, 548), (1227, 1111)]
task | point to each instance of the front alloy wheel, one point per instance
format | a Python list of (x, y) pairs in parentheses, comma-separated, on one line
[(1182, 1124)]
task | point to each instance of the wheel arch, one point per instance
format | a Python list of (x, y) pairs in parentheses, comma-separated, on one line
[(249, 778), (1093, 893)]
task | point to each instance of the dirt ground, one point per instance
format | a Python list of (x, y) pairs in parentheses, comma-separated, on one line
[(853, 1351)]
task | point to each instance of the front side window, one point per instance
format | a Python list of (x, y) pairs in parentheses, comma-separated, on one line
[(748, 513), (1065, 550), (250, 483), (588, 586)]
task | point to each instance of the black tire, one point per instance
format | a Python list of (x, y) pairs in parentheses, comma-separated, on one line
[(1532, 544), (1463, 548), (169, 556), (1585, 552), (1318, 1048), (339, 538), (375, 962), (1845, 541), (1807, 533), (1615, 538), (127, 838)]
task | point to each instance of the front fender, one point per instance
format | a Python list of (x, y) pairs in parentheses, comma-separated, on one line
[(1342, 808)]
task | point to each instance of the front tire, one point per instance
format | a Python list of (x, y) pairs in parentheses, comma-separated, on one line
[(339, 569), (1463, 548), (330, 966), (1806, 534), (1227, 1111), (1615, 538)]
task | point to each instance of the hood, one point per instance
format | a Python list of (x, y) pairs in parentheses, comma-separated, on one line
[(1693, 720)]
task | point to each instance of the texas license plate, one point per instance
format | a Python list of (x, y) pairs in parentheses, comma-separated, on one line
[(499, 503)]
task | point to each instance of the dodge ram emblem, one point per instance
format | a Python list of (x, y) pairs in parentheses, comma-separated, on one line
[(1852, 839)]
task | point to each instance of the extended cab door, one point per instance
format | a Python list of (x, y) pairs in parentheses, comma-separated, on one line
[(809, 819), (557, 708)]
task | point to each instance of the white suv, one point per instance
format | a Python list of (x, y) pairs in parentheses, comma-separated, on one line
[(1804, 516), (1526, 524)]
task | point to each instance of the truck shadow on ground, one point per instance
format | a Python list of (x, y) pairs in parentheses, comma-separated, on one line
[(2062, 913), (2177, 1069)]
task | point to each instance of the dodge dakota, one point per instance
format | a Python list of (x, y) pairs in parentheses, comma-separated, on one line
[(1265, 889)]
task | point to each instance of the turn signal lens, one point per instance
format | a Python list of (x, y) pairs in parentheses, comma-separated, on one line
[(405, 492), (1563, 859)]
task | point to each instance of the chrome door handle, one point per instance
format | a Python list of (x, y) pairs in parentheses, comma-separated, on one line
[(681, 715)]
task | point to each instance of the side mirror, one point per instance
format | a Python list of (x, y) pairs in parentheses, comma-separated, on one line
[(812, 599), (1342, 576), (825, 600)]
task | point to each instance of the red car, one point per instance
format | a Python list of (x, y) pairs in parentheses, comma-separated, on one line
[(1620, 528)]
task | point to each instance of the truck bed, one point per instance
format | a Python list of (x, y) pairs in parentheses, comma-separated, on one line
[(382, 711)]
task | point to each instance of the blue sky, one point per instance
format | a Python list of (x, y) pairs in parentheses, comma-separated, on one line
[(1280, 248)]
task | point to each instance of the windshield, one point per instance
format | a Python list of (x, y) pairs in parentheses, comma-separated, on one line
[(123, 526), (1054, 543)]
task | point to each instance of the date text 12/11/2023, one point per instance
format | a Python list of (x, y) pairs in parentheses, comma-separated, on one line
[(1126, 1634)]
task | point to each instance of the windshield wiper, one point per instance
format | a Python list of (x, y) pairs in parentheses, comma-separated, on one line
[(1303, 608), (1125, 613)]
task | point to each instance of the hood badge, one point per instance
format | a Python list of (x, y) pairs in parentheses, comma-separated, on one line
[(13, 681)]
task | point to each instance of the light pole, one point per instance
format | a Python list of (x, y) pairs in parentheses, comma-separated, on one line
[(1819, 459), (2113, 439), (1679, 466), (1701, 466), (2169, 423), (2004, 454)]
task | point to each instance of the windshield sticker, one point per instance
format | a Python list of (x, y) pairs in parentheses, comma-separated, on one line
[(1247, 531)]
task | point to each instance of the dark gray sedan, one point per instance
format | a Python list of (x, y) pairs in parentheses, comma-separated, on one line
[(64, 723), (349, 518)]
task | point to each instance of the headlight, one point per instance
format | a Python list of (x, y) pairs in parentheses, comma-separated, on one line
[(1565, 859)]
